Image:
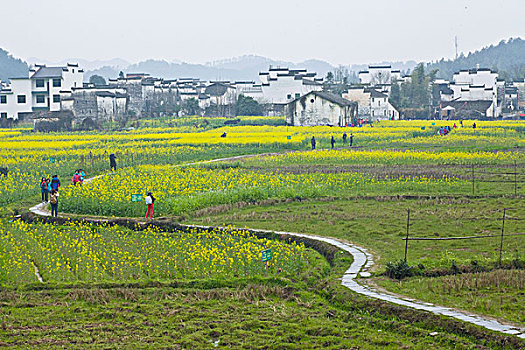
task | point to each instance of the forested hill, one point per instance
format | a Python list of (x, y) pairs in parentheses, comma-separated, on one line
[(11, 67), (508, 58)]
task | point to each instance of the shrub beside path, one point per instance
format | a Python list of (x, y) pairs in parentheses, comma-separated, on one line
[(362, 262)]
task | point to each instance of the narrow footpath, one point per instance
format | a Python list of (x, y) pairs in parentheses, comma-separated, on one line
[(362, 262)]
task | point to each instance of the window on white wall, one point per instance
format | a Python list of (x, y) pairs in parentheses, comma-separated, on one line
[(3, 99), (57, 82), (56, 98), (40, 99), (21, 99), (3, 115), (40, 83)]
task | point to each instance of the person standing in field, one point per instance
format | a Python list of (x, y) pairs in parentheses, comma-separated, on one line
[(113, 162), (344, 138), (55, 183), (82, 176), (76, 178), (53, 199), (44, 189), (332, 142), (351, 139), (313, 142), (150, 202)]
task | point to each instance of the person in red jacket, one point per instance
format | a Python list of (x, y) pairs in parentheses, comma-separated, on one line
[(44, 189), (150, 200)]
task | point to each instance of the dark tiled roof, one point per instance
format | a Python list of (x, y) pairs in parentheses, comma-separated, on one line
[(477, 105), (329, 97), (311, 82), (49, 72), (216, 89), (105, 94), (376, 94)]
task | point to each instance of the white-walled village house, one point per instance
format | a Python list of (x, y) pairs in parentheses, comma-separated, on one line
[(42, 90), (320, 108), (372, 104)]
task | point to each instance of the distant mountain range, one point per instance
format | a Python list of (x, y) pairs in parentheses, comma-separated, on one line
[(508, 57), (239, 68)]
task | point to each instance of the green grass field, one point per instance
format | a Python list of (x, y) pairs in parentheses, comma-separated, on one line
[(380, 224)]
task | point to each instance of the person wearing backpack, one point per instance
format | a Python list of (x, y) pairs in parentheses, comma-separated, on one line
[(53, 199), (55, 183), (44, 189), (76, 178), (150, 200)]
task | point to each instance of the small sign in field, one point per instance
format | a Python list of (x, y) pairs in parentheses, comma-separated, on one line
[(136, 197), (266, 255)]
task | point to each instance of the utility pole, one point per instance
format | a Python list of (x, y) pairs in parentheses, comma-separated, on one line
[(406, 239), (501, 241)]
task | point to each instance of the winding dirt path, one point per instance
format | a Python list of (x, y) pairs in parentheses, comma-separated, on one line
[(362, 262)]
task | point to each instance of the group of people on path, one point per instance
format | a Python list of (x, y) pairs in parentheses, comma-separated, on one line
[(78, 177), (49, 190), (332, 140)]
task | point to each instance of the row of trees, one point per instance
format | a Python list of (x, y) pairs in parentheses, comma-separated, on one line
[(413, 99), (244, 105)]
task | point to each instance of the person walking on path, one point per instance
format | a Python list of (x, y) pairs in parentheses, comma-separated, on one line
[(344, 138), (313, 142), (53, 199), (351, 139), (55, 183), (44, 189), (150, 202), (113, 162), (332, 141), (49, 189)]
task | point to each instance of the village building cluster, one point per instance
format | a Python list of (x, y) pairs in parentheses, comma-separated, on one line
[(50, 93), (476, 92)]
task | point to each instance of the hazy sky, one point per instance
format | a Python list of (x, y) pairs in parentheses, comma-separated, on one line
[(341, 32)]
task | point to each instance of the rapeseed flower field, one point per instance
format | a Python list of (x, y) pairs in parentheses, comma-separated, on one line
[(88, 253), (180, 190), (29, 156)]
